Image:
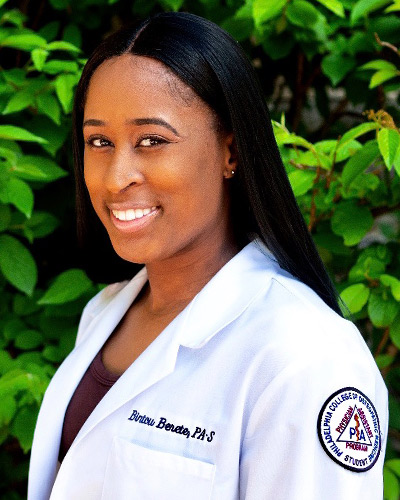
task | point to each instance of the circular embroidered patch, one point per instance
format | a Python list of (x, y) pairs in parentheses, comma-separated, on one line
[(348, 428)]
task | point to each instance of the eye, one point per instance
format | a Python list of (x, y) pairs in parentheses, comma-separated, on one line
[(98, 142), (151, 141)]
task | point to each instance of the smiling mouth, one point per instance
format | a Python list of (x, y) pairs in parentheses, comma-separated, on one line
[(132, 214)]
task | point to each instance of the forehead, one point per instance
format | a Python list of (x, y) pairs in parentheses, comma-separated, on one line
[(129, 78)]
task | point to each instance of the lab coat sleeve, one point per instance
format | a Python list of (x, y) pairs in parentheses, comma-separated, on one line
[(282, 457)]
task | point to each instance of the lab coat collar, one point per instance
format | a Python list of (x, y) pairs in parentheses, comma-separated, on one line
[(228, 294)]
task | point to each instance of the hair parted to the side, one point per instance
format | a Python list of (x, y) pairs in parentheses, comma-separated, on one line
[(212, 63)]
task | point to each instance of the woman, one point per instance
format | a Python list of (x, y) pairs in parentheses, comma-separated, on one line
[(223, 369)]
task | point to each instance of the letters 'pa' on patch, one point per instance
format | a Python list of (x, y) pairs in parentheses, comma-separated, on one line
[(349, 431)]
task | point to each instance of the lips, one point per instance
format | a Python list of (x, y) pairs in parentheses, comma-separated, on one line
[(133, 213)]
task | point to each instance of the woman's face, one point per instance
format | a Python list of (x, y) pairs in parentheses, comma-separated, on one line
[(155, 168)]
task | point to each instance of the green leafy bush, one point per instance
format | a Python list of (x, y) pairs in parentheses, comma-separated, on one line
[(330, 72)]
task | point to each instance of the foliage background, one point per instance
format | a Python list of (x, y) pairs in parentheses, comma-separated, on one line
[(330, 73)]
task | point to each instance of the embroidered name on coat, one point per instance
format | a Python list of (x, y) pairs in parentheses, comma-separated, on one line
[(162, 423)]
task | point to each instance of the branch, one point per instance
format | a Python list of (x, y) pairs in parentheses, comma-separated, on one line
[(386, 44)]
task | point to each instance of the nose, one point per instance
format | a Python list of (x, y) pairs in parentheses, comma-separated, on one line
[(123, 171)]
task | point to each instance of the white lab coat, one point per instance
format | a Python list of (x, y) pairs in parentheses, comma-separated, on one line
[(241, 375)]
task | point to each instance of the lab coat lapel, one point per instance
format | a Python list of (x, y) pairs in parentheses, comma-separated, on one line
[(161, 355), (49, 426), (229, 293)]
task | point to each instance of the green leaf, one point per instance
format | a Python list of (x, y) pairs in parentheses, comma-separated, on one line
[(19, 101), (384, 360), (382, 76), (8, 408), (50, 30), (53, 354), (48, 105), (391, 485), (17, 264), (332, 243), (10, 154), (355, 297), (55, 136), (264, 11), (28, 339), (28, 172), (60, 4), (240, 29), (352, 222), (38, 168), (41, 224), (23, 427), (56, 66), (24, 41), (394, 465), (382, 309), (68, 286), (302, 13), (314, 159), (393, 283), (18, 193), (336, 67), (5, 217), (13, 16), (357, 132), (394, 412), (2, 2), (334, 6), (19, 134), (63, 45), (346, 150), (371, 263), (379, 64), (388, 141), (364, 7), (25, 306), (39, 57), (395, 332), (12, 328), (361, 160), (64, 89), (301, 181), (175, 5), (72, 34), (278, 47), (394, 7)]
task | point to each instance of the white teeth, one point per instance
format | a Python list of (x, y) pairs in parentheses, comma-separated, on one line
[(132, 214)]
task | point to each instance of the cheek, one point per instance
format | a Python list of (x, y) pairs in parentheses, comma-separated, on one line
[(93, 184)]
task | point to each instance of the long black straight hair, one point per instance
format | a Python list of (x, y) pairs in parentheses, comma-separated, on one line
[(211, 62)]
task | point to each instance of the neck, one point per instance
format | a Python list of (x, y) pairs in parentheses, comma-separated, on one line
[(175, 282)]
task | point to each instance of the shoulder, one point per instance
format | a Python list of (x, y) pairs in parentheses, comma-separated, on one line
[(290, 330), (306, 354), (304, 318)]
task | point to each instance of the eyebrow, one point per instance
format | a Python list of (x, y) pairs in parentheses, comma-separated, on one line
[(134, 121)]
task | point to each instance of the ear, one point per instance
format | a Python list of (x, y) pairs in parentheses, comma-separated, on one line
[(231, 156)]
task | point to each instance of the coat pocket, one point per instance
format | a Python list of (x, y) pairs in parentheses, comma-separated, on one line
[(134, 472)]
